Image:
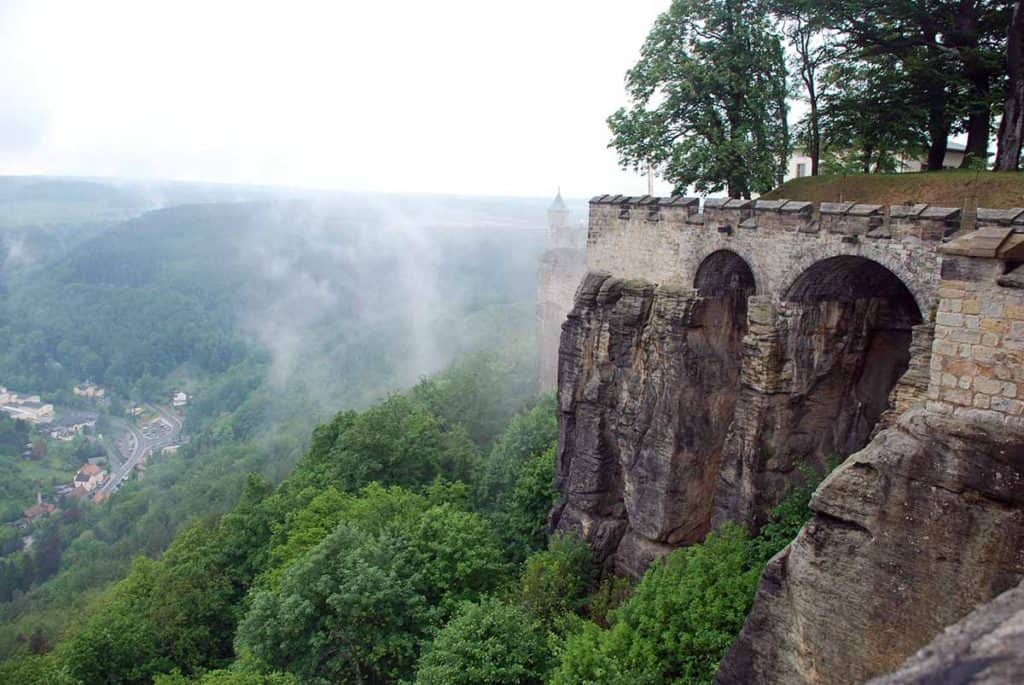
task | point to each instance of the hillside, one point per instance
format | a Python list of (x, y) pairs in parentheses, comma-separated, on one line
[(273, 314), (951, 188)]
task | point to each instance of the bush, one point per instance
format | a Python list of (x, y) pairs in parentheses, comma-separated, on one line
[(678, 624), (490, 643), (556, 581)]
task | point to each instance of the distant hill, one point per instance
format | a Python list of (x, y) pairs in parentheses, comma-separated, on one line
[(950, 188)]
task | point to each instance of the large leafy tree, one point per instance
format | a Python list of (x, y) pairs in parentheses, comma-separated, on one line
[(866, 121), (708, 99), (358, 606), (490, 643), (952, 50)]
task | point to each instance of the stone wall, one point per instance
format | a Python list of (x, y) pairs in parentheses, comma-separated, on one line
[(977, 364), (558, 276), (665, 240)]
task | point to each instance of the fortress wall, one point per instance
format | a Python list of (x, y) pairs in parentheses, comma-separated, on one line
[(664, 241), (977, 364)]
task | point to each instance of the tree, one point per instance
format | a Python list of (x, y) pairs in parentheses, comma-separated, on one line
[(678, 624), (528, 434), (490, 643), (359, 605), (951, 50), (557, 580), (869, 116), (1011, 127), (342, 614), (523, 517), (400, 442), (813, 50), (708, 100)]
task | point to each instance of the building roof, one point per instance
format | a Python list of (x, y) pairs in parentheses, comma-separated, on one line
[(38, 510), (558, 205), (74, 418), (88, 470)]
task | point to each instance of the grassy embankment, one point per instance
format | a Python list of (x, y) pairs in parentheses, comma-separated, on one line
[(950, 188)]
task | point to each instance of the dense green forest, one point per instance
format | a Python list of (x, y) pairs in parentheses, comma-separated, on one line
[(402, 549), (273, 313)]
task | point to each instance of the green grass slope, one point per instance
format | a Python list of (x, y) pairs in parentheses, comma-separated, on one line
[(950, 188)]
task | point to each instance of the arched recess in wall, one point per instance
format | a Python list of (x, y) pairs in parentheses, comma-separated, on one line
[(850, 327), (848, 278), (724, 272)]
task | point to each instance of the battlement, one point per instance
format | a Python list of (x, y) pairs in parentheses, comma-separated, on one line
[(868, 221)]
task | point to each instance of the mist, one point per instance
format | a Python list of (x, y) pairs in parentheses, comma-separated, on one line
[(329, 273)]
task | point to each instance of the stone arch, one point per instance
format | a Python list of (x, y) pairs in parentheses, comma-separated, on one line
[(724, 272), (848, 278), (849, 324)]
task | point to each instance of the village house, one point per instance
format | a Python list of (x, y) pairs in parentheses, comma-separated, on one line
[(39, 509), (179, 399), (71, 424), (90, 390), (89, 477)]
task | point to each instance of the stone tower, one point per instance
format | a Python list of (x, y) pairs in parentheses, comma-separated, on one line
[(558, 222), (561, 269)]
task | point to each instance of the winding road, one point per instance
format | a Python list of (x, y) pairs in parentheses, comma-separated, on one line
[(142, 446)]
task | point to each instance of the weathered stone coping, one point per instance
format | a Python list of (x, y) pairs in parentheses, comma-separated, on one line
[(927, 222)]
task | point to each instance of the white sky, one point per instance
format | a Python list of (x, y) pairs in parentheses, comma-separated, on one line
[(452, 96)]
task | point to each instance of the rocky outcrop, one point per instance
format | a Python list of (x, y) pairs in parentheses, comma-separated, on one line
[(986, 648), (682, 408), (646, 392), (907, 536)]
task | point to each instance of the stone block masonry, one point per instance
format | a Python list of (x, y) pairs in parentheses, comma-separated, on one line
[(977, 362)]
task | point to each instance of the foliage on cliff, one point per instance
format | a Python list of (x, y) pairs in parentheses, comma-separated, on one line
[(688, 608)]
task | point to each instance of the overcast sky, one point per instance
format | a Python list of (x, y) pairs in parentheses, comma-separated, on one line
[(449, 96)]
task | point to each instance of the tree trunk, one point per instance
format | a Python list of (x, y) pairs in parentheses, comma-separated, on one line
[(966, 39), (866, 159), (979, 121), (1011, 128), (815, 151), (938, 134)]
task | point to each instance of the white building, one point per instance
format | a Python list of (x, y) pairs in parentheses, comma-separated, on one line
[(90, 390), (800, 162), (89, 477), (32, 411), (179, 399)]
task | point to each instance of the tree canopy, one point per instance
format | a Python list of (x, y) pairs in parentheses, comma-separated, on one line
[(708, 100)]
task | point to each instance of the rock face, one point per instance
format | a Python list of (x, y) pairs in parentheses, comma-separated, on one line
[(647, 389), (986, 648), (907, 536), (683, 408)]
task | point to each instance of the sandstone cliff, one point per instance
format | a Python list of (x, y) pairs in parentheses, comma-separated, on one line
[(680, 408), (986, 648), (907, 536), (709, 352)]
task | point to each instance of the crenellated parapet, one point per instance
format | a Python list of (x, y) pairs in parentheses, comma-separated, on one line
[(925, 222)]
